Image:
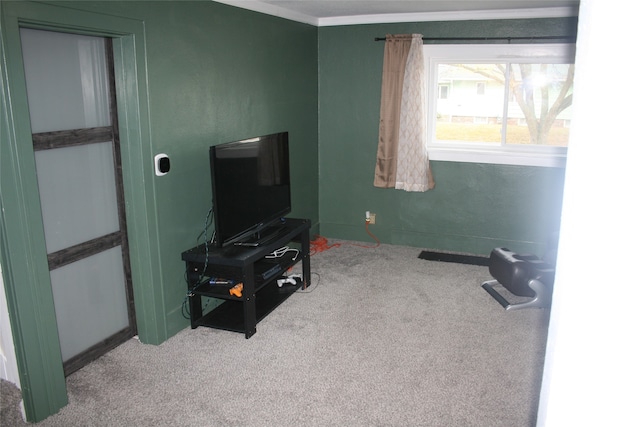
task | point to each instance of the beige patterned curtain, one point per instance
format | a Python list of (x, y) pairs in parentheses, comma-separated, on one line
[(402, 161)]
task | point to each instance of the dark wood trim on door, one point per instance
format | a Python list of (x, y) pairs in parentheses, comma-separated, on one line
[(117, 158), (83, 250), (71, 138)]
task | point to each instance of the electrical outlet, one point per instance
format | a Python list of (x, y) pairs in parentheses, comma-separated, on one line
[(372, 218)]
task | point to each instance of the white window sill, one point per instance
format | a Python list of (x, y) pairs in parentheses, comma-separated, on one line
[(499, 157)]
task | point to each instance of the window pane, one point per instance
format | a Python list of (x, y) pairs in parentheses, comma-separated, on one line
[(474, 108), (444, 91), (90, 301), (69, 70), (78, 194), (540, 104)]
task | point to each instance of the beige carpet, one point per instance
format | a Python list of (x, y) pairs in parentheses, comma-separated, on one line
[(381, 338)]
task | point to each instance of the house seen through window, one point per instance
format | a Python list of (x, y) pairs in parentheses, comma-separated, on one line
[(503, 103)]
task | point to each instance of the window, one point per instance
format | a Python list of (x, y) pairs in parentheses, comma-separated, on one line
[(508, 104), (444, 91)]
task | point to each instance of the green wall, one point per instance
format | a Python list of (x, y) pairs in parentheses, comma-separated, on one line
[(474, 207), (193, 74), (216, 74), (190, 74)]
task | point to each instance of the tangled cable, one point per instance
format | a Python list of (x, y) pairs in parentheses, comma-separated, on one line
[(321, 244)]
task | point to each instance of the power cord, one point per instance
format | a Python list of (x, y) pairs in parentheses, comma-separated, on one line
[(185, 306), (366, 226), (206, 244), (321, 244), (310, 288), (279, 253)]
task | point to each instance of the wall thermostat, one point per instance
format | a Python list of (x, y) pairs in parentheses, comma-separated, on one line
[(162, 164)]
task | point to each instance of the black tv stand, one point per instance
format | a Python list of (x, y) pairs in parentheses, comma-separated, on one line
[(249, 266), (265, 235)]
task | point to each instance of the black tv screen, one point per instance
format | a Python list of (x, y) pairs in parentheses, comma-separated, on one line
[(251, 186)]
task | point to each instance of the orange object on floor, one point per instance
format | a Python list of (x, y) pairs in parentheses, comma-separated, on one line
[(321, 244), (236, 290)]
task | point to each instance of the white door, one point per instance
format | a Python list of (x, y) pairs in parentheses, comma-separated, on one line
[(71, 94)]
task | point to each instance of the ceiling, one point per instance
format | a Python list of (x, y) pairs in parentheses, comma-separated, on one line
[(345, 12)]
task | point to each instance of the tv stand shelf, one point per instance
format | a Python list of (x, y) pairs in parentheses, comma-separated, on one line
[(249, 266)]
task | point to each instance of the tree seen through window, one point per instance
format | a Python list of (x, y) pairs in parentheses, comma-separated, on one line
[(524, 103)]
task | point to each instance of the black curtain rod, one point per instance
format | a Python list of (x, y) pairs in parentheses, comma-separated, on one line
[(509, 39)]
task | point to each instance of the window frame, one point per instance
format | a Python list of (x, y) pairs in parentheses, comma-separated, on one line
[(546, 156)]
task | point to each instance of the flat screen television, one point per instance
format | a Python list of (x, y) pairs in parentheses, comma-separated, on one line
[(251, 188)]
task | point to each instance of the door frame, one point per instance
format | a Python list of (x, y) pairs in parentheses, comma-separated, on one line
[(22, 245)]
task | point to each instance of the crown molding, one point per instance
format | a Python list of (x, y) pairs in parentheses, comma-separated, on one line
[(268, 9), (469, 15)]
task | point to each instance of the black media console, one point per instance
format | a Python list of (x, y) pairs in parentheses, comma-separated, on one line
[(254, 270)]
